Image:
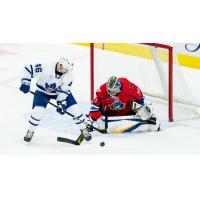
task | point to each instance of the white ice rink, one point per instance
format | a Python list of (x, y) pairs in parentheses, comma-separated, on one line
[(182, 137)]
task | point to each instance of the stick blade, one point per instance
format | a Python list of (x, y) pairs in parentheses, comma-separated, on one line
[(66, 140)]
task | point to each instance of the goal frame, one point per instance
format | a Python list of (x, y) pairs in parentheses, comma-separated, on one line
[(170, 74)]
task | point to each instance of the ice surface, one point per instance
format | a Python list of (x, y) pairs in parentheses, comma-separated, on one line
[(181, 137)]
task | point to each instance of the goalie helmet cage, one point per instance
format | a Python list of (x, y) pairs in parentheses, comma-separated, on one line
[(152, 73)]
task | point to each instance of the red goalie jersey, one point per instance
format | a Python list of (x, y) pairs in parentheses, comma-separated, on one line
[(119, 104)]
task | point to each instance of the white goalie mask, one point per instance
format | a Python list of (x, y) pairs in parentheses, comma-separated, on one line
[(65, 63), (113, 86)]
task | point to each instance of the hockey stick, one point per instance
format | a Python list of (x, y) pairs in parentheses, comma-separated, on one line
[(80, 138), (89, 126), (78, 141)]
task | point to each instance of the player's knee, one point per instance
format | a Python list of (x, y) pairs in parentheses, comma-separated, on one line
[(38, 112), (36, 117)]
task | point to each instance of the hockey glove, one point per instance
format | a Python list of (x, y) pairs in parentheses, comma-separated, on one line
[(25, 86), (61, 107)]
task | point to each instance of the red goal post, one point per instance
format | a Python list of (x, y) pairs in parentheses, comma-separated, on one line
[(170, 73)]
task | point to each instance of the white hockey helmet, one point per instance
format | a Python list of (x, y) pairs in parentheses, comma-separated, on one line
[(66, 64), (113, 86)]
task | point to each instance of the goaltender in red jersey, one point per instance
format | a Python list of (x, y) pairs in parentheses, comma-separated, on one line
[(120, 106)]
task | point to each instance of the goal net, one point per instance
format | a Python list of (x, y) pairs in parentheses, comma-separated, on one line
[(151, 66)]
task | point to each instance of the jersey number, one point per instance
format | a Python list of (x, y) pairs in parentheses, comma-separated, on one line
[(38, 68)]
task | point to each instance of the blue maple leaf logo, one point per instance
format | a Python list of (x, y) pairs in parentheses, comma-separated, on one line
[(52, 86)]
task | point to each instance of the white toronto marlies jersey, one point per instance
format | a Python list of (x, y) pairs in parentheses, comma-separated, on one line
[(48, 81)]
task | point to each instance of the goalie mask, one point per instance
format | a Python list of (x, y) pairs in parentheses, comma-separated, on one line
[(113, 86)]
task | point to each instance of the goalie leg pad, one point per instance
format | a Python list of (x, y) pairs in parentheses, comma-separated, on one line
[(129, 124)]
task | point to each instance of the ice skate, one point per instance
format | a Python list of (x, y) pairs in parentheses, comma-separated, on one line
[(28, 136), (86, 134)]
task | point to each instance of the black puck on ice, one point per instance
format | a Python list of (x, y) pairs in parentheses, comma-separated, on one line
[(102, 144)]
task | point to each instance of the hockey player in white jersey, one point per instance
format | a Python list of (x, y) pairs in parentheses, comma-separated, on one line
[(54, 81)]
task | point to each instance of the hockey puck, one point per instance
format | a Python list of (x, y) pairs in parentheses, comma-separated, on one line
[(102, 144)]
